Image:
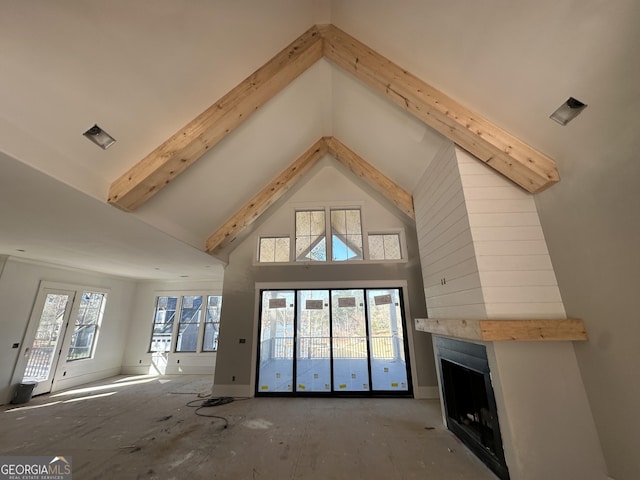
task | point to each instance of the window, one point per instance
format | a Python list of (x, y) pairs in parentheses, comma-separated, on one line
[(273, 249), (163, 324), (189, 326), (85, 332), (212, 323), (310, 236), (385, 246), (331, 234), (189, 333), (346, 235)]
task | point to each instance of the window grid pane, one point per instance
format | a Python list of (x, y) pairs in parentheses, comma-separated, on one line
[(273, 249), (189, 324), (164, 317), (86, 325), (346, 235), (385, 247), (310, 236), (212, 324)]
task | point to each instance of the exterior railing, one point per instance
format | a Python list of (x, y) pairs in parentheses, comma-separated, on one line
[(39, 363), (388, 347)]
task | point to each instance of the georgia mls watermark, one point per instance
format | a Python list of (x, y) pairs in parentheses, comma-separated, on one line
[(35, 468)]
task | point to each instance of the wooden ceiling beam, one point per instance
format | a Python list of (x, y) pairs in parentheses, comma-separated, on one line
[(259, 204), (371, 176), (177, 153), (252, 210), (519, 162), (508, 155)]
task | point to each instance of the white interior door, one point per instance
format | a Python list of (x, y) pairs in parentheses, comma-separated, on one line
[(48, 325)]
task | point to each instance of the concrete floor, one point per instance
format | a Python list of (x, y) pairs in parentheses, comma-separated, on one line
[(140, 428)]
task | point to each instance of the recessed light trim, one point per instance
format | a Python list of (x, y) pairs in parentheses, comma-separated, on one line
[(98, 136), (568, 111)]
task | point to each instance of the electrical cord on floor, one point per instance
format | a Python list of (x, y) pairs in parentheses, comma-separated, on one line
[(211, 402)]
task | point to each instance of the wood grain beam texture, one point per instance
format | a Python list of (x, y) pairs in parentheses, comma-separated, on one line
[(252, 210), (562, 329), (525, 166), (371, 176), (187, 145), (508, 155)]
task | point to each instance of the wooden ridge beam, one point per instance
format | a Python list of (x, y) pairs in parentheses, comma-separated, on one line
[(252, 210), (371, 176), (508, 155), (177, 153)]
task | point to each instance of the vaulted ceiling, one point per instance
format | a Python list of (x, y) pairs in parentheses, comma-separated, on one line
[(143, 70)]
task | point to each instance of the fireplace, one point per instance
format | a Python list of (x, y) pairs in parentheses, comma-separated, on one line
[(469, 402)]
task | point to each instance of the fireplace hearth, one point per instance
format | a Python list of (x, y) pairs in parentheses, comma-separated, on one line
[(469, 402)]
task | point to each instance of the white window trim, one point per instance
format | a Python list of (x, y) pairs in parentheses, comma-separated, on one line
[(176, 324), (403, 245), (327, 207)]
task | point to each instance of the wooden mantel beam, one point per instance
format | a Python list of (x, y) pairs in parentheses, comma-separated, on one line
[(561, 329), (177, 153), (250, 212), (508, 155), (371, 176)]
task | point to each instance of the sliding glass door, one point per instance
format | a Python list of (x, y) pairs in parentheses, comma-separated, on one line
[(327, 341)]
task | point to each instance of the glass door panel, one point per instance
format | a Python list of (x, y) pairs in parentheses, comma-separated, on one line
[(349, 341), (45, 350), (388, 365), (313, 355), (275, 372)]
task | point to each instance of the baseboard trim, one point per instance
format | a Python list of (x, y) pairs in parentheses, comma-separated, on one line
[(426, 393)]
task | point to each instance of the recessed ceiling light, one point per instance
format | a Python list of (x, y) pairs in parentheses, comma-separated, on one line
[(99, 137), (568, 111)]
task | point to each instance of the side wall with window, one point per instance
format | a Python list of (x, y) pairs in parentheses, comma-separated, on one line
[(329, 187), (156, 343), (19, 285)]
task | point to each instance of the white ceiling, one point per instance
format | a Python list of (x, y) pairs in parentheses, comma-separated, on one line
[(143, 69)]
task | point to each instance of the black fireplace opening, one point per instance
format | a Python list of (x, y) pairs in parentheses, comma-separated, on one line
[(470, 406)]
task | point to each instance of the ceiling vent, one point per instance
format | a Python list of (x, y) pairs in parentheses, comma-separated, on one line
[(568, 111), (99, 137)]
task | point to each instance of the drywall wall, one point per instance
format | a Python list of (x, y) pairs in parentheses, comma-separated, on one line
[(325, 185), (19, 286), (545, 419), (592, 227), (137, 359)]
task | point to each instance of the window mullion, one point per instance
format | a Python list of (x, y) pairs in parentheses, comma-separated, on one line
[(176, 325)]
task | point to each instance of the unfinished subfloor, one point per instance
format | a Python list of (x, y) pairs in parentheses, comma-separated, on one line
[(140, 428)]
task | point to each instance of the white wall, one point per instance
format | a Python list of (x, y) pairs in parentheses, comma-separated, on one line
[(137, 359), (325, 185), (19, 284), (446, 245)]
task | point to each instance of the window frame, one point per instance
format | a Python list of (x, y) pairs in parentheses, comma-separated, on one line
[(97, 325), (276, 237), (175, 329), (402, 243), (328, 208)]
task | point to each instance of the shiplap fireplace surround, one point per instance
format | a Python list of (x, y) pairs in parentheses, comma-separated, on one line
[(488, 279)]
